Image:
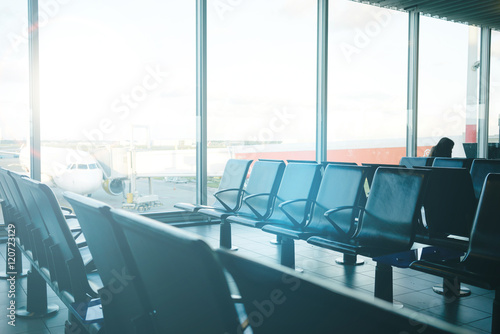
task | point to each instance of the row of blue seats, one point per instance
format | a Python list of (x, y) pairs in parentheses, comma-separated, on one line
[(51, 240), (450, 199), (155, 278), (328, 207), (297, 197)]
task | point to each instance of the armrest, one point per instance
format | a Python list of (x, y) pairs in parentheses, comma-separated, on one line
[(328, 213), (244, 322), (255, 212), (64, 208), (439, 269), (216, 195), (292, 219), (226, 190)]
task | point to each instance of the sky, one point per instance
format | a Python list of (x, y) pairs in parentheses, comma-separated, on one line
[(108, 66)]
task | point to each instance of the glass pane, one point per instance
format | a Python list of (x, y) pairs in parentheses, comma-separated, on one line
[(14, 84), (14, 89), (494, 126), (367, 83), (443, 89), (118, 89), (261, 81)]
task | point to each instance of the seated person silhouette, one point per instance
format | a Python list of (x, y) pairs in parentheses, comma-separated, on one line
[(443, 148)]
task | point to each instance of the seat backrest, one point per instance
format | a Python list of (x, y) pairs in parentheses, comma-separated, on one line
[(449, 202), (265, 178), (480, 168), (390, 215), (374, 168), (341, 185), (279, 300), (410, 162), (3, 194), (484, 245), (10, 196), (299, 181), (233, 177), (122, 306), (15, 211), (9, 204), (70, 269), (340, 163), (36, 232), (453, 162), (183, 282)]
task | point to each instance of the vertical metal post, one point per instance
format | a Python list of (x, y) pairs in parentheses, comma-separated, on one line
[(484, 93), (472, 84), (34, 84), (201, 102), (322, 80), (412, 88)]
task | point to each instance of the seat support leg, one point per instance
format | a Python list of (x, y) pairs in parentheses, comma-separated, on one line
[(288, 252), (276, 241), (349, 260), (225, 235), (451, 289), (383, 282), (36, 304)]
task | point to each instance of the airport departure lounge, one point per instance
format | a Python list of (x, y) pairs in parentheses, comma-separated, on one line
[(232, 166)]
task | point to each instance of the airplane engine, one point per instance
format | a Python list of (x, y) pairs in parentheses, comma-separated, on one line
[(113, 186)]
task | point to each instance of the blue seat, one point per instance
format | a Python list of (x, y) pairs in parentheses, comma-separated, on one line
[(5, 199), (448, 211), (481, 264), (340, 163), (65, 258), (411, 162), (14, 212), (279, 300), (182, 282), (373, 169), (13, 209), (120, 297), (449, 206), (228, 196), (479, 170), (341, 185), (386, 224), (34, 236), (453, 162), (297, 191), (259, 193)]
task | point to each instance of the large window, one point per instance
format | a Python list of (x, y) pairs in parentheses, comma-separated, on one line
[(494, 126), (443, 75), (261, 80), (366, 83), (14, 83), (118, 92)]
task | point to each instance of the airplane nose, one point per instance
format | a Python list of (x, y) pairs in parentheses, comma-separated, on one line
[(82, 182)]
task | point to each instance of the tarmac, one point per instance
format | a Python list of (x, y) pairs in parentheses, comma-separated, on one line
[(169, 190)]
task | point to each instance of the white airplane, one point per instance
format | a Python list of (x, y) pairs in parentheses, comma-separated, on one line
[(69, 169)]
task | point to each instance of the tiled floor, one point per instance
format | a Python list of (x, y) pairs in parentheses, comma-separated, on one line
[(411, 288)]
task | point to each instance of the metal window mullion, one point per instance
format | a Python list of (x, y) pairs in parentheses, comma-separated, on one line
[(201, 102), (34, 90), (322, 79), (484, 93), (412, 88)]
